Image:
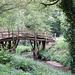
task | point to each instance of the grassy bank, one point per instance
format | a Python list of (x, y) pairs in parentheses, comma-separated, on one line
[(58, 51)]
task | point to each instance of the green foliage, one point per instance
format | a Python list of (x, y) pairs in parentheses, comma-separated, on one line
[(31, 18), (33, 67), (22, 66), (18, 63), (59, 53), (7, 70), (62, 44), (45, 54), (68, 8), (5, 56), (22, 48)]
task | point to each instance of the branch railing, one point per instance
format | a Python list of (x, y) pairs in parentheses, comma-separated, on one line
[(25, 33)]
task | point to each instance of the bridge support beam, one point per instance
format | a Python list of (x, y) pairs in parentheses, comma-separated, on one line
[(35, 50), (15, 43), (36, 47), (43, 45), (9, 45)]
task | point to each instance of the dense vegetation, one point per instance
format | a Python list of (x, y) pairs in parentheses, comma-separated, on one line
[(19, 65), (40, 16), (58, 51)]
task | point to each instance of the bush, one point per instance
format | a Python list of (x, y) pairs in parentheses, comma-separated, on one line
[(62, 44), (18, 62), (5, 56), (45, 54)]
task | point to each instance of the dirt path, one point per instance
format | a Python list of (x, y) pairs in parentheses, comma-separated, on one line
[(57, 65)]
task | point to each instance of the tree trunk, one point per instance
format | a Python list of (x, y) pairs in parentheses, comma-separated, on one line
[(72, 48)]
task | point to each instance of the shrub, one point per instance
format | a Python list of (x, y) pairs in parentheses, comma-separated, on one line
[(62, 44), (5, 56), (18, 62), (44, 55)]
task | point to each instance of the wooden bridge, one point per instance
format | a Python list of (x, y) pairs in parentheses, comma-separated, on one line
[(10, 39)]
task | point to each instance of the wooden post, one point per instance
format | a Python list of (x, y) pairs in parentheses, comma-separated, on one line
[(18, 31), (9, 45), (2, 43), (12, 34), (43, 45), (14, 43), (38, 46), (2, 35), (31, 45), (35, 47), (8, 33)]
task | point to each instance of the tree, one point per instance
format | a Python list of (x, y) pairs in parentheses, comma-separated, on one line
[(69, 10)]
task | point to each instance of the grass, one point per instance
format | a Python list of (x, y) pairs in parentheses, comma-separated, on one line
[(7, 70), (19, 65), (24, 65)]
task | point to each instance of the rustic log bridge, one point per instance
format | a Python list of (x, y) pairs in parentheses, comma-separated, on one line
[(10, 39)]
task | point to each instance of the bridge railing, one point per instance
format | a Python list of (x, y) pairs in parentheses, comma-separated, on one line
[(25, 33)]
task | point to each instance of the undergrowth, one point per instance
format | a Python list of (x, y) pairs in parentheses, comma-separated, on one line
[(58, 51), (19, 65)]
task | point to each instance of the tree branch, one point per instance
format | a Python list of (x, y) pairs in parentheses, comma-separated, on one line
[(30, 2), (4, 5), (50, 4), (4, 10), (7, 9)]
